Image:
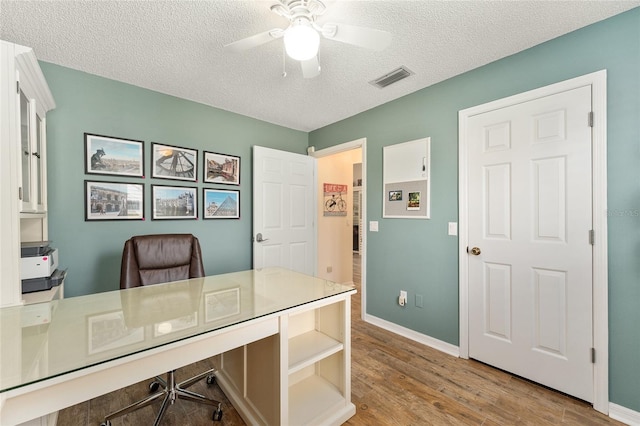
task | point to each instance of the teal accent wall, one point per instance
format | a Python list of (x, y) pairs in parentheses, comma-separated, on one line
[(86, 103), (419, 256)]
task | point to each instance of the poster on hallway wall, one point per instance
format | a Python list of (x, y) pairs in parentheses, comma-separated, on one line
[(335, 199)]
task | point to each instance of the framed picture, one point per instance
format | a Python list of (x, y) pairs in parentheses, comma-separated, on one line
[(172, 162), (221, 304), (106, 155), (113, 201), (395, 195), (109, 331), (334, 202), (174, 202), (221, 168), (220, 204), (414, 201)]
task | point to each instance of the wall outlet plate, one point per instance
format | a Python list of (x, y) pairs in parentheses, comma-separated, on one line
[(402, 300)]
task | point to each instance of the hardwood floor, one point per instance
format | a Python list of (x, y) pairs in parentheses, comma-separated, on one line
[(395, 381)]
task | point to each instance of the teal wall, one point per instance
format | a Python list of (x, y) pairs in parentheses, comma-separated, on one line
[(424, 259), (87, 103)]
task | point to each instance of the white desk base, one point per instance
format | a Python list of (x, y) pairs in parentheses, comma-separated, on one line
[(289, 367), (39, 399)]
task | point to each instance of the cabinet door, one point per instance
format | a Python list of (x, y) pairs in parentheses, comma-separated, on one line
[(39, 165), (32, 160), (25, 151)]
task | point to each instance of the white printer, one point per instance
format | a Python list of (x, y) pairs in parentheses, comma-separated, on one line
[(39, 267)]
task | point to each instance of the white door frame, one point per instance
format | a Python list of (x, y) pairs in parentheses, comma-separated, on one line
[(598, 83), (336, 149)]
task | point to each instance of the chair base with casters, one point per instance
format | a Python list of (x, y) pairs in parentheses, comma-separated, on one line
[(171, 391)]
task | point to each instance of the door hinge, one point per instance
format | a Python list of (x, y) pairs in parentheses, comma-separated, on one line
[(593, 355), (20, 193), (590, 119), (592, 237), (18, 87)]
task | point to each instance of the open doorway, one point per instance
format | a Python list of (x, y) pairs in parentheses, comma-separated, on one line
[(341, 239)]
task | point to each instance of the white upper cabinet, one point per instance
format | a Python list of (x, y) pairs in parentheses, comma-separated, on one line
[(34, 100), (25, 99)]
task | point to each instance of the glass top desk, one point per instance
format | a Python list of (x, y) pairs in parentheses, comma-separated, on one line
[(60, 353)]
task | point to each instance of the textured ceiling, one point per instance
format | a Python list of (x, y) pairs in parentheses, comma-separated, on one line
[(176, 47)]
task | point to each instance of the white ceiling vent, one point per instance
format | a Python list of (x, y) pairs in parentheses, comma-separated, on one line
[(392, 77)]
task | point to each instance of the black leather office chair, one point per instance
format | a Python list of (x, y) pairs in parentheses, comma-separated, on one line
[(154, 259)]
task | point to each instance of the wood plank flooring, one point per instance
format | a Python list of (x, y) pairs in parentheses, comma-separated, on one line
[(395, 381)]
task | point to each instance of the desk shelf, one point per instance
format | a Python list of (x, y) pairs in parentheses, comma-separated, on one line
[(313, 352), (319, 365), (309, 348), (311, 399)]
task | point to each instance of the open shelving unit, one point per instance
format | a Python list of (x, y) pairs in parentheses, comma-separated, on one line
[(312, 358), (316, 380)]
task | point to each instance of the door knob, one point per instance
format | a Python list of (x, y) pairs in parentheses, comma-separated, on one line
[(476, 251), (260, 239)]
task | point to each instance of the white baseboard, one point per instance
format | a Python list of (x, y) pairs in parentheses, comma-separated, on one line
[(445, 347), (623, 414)]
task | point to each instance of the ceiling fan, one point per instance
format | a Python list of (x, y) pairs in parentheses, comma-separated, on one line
[(302, 36)]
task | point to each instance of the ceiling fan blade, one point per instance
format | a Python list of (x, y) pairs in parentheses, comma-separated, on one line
[(358, 36), (254, 40), (310, 67)]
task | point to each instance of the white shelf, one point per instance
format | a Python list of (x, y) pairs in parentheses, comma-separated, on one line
[(312, 399), (309, 348), (33, 215)]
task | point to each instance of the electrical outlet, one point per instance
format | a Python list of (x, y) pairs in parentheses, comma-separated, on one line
[(402, 300), (329, 269)]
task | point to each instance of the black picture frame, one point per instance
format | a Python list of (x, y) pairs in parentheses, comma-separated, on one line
[(174, 162), (220, 203), (395, 195), (109, 155), (220, 168), (174, 202), (113, 201)]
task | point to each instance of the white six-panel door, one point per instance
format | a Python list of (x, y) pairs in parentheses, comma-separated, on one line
[(530, 261), (283, 210)]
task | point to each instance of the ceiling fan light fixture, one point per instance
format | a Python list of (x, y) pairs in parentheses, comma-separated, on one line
[(301, 41)]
